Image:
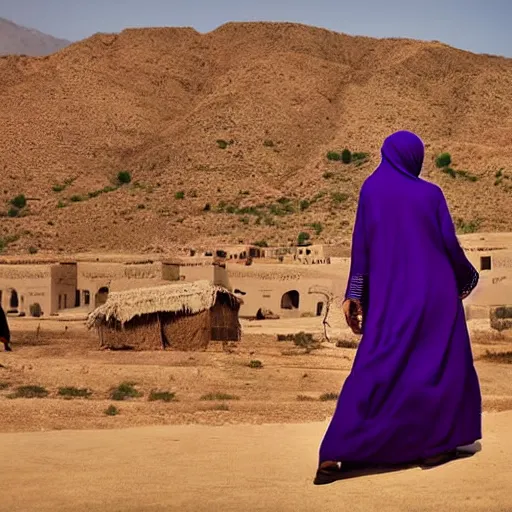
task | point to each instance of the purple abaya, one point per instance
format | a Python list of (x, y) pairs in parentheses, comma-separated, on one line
[(413, 391)]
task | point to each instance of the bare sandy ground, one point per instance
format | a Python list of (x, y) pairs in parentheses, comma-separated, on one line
[(234, 468)]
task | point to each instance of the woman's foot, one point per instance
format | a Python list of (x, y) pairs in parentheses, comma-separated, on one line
[(438, 460), (327, 473)]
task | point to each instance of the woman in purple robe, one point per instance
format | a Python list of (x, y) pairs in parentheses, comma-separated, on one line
[(413, 393)]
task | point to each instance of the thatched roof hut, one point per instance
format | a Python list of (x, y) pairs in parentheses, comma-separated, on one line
[(183, 316)]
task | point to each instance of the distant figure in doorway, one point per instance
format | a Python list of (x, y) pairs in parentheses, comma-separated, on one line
[(413, 394), (5, 333)]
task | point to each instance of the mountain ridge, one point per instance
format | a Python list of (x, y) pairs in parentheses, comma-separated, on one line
[(226, 134)]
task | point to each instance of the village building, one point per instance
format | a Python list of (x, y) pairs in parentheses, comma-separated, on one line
[(491, 255), (275, 280), (182, 316), (285, 290)]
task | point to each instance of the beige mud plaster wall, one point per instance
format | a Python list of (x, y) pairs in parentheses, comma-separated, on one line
[(192, 272), (265, 287), (64, 280), (494, 289), (31, 282), (117, 277)]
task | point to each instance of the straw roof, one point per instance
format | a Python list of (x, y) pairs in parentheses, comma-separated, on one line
[(189, 298)]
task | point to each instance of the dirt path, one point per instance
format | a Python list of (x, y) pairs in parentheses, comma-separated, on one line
[(234, 468)]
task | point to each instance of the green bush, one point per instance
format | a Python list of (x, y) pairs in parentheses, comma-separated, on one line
[(72, 392), (317, 226), (218, 396), (304, 205), (255, 364), (112, 410), (33, 250), (124, 391), (328, 396), (76, 199), (303, 238), (35, 310), (328, 175), (30, 392), (359, 156), (124, 177), (339, 197), (449, 171), (260, 243), (163, 396), (346, 156), (179, 195), (13, 212), (268, 144), (466, 227), (222, 144), (333, 156), (19, 201), (443, 160)]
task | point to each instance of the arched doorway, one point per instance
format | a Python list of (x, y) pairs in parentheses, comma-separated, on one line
[(290, 300), (101, 297)]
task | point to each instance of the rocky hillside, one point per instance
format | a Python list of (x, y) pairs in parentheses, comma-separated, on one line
[(234, 135), (18, 40)]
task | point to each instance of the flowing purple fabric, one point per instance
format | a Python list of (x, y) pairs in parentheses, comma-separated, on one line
[(413, 391)]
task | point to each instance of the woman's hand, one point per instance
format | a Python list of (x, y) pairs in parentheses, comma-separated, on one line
[(354, 315)]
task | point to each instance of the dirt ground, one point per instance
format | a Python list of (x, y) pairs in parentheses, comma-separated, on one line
[(286, 389), (256, 451)]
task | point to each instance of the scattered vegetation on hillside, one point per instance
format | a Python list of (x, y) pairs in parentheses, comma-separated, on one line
[(303, 238), (499, 357), (125, 391), (162, 396), (218, 396), (5, 241), (465, 227), (73, 392), (29, 392), (60, 187), (444, 161), (124, 177), (18, 206), (347, 157)]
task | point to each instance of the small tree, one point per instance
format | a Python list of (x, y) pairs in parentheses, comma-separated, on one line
[(124, 177), (346, 156), (443, 160), (303, 238)]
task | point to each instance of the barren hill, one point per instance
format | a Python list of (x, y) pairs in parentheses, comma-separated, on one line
[(18, 40), (226, 135)]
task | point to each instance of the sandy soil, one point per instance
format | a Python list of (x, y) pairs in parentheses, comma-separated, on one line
[(255, 452), (233, 468), (63, 354)]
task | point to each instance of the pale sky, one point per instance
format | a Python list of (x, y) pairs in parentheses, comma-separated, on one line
[(481, 26)]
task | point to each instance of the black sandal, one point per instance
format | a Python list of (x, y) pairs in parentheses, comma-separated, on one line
[(327, 475)]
